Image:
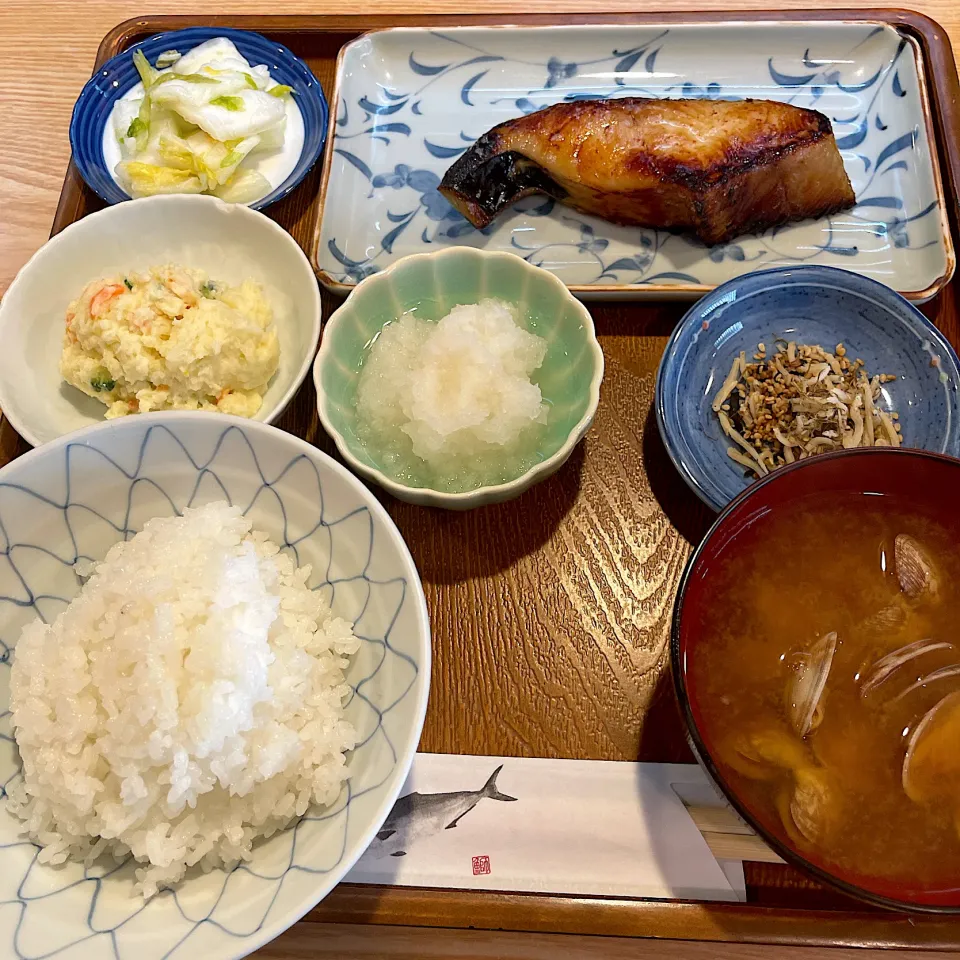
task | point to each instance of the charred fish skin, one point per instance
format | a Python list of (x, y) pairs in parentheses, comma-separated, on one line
[(485, 180), (718, 169)]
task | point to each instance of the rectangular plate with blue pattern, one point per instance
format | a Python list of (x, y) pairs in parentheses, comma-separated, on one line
[(409, 101)]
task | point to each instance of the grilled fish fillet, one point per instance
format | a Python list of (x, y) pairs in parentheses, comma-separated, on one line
[(716, 168)]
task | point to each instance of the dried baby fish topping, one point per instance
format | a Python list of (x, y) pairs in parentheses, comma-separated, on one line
[(799, 401)]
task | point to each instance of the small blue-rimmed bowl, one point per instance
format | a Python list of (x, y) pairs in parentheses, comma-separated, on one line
[(118, 75), (811, 305)]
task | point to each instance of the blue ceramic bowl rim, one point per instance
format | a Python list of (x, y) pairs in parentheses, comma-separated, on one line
[(91, 164), (668, 423)]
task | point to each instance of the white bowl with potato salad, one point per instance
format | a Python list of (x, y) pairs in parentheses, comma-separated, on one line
[(178, 302)]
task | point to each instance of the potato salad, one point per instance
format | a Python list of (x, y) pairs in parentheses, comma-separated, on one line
[(170, 338)]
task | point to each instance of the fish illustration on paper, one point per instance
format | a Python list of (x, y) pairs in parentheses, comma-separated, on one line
[(423, 814)]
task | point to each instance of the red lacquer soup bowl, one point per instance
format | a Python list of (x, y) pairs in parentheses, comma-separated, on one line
[(795, 803)]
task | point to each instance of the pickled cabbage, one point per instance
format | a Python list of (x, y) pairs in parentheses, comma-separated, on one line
[(197, 123)]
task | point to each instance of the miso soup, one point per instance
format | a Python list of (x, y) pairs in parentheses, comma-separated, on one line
[(825, 681)]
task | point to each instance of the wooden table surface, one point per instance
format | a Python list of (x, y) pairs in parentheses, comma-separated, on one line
[(46, 53)]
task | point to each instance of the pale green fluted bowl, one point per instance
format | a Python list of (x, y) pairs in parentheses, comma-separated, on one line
[(433, 284)]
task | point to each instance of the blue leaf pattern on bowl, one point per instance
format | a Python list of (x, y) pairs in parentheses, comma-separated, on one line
[(164, 469)]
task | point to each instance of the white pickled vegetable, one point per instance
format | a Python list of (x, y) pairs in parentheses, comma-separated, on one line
[(212, 161), (167, 59), (198, 121), (243, 187), (123, 116), (219, 53), (227, 111), (261, 74), (148, 74), (147, 179), (235, 155), (272, 139)]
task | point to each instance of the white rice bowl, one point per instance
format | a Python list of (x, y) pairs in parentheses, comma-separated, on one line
[(188, 702), (70, 501)]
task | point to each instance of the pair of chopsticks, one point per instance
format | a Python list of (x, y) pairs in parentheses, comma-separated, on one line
[(728, 837)]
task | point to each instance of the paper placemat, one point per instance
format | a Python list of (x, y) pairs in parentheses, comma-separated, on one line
[(550, 826)]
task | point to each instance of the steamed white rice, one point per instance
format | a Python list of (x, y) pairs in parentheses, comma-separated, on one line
[(188, 702)]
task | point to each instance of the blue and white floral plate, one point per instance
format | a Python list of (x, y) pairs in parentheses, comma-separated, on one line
[(409, 101), (75, 497)]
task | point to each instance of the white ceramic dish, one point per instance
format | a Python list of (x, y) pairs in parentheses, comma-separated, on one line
[(409, 101), (229, 241), (77, 496), (432, 285)]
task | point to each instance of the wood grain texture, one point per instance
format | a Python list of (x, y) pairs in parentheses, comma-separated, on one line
[(334, 940), (792, 918), (550, 614)]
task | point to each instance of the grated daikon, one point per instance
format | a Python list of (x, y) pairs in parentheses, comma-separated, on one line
[(451, 405)]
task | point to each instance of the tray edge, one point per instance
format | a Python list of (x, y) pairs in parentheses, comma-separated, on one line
[(563, 914), (664, 919)]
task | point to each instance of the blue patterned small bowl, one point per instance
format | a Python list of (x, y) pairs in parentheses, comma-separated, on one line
[(77, 496), (808, 304), (118, 75)]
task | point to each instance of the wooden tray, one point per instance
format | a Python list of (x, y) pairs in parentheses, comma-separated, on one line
[(551, 614)]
